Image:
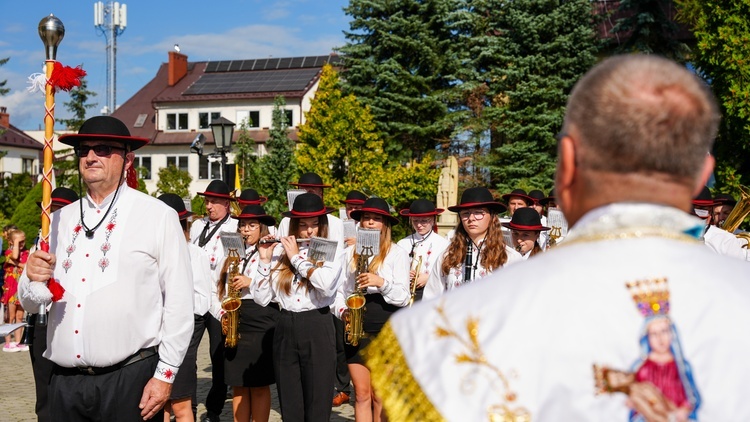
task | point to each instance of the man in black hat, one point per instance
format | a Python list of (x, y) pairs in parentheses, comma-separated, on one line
[(206, 234), (120, 329), (590, 330)]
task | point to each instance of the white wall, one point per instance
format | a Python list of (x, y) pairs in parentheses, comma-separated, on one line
[(12, 162)]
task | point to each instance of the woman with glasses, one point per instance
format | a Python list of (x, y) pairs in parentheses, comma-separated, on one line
[(476, 249), (386, 288), (248, 367), (425, 245)]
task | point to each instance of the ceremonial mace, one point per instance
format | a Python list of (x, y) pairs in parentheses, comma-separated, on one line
[(51, 31)]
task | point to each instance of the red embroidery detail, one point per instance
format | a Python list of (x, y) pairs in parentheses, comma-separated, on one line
[(111, 226), (77, 228), (168, 374)]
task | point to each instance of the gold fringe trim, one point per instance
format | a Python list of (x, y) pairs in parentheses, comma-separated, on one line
[(403, 398)]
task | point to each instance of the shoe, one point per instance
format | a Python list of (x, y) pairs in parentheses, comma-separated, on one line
[(10, 348), (210, 417), (340, 398), (22, 347)]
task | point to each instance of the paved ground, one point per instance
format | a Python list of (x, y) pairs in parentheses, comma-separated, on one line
[(17, 389)]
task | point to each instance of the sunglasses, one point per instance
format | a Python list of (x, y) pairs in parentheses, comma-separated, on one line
[(99, 150)]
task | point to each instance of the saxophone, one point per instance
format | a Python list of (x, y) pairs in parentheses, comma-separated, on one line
[(231, 303), (413, 281), (355, 302)]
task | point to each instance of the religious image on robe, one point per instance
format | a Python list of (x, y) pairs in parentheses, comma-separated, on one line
[(661, 366)]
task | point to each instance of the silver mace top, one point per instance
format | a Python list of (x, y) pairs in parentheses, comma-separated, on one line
[(51, 31)]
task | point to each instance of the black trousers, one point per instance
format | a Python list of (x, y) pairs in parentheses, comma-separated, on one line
[(111, 397), (342, 369), (42, 368), (217, 395), (305, 364)]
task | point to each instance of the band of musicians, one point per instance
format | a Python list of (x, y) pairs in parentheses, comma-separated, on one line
[(532, 306)]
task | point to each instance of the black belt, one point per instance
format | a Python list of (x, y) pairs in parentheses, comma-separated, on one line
[(92, 370)]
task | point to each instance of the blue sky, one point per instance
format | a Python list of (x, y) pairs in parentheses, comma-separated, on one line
[(212, 30)]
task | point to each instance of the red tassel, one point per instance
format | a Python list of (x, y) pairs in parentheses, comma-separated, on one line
[(65, 77), (54, 287), (131, 178)]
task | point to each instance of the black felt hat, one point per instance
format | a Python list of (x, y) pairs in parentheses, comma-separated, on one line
[(62, 196), (724, 199), (307, 205), (257, 212), (217, 189), (104, 128), (520, 193), (251, 197), (174, 201), (421, 208), (525, 219), (536, 195), (375, 206), (550, 197), (704, 198), (355, 197), (310, 180), (478, 197)]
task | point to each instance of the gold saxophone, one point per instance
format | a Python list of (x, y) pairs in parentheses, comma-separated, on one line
[(355, 302), (413, 282), (230, 321)]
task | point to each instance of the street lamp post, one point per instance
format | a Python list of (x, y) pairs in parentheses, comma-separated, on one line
[(223, 130)]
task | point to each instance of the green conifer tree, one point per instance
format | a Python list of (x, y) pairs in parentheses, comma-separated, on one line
[(399, 61), (277, 168)]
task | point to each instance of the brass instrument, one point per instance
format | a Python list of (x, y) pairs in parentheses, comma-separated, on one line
[(738, 215), (234, 206), (413, 281), (355, 302), (230, 321)]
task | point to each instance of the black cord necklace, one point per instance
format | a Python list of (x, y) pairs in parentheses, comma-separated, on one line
[(90, 231)]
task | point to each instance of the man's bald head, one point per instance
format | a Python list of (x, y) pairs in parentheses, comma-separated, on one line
[(638, 113)]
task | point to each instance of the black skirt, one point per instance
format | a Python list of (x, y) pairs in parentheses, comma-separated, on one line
[(377, 312), (250, 364), (186, 380)]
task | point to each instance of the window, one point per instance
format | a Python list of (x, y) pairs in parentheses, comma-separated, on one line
[(205, 119), (252, 117), (179, 161), (27, 165), (142, 165), (177, 121), (140, 120), (289, 118), (208, 170)]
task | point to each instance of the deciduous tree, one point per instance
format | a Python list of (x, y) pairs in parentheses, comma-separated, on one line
[(277, 168)]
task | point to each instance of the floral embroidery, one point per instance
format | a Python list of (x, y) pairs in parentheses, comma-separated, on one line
[(105, 246), (166, 373), (474, 355)]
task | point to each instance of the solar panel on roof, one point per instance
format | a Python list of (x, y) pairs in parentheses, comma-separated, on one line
[(270, 64), (235, 66)]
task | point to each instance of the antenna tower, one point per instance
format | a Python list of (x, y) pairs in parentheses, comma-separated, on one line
[(111, 18)]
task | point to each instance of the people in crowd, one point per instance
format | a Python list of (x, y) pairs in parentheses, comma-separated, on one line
[(185, 386), (424, 245), (385, 286), (525, 229), (119, 278), (15, 259), (477, 248), (206, 233), (556, 338), (304, 350), (248, 366)]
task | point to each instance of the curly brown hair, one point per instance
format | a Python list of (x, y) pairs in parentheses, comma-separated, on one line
[(493, 254)]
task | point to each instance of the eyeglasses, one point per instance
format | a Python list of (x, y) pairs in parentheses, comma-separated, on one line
[(99, 150), (423, 220), (477, 214)]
